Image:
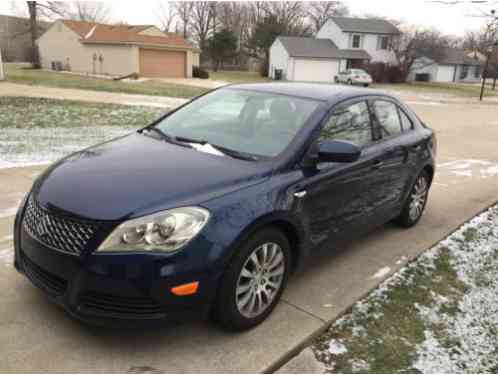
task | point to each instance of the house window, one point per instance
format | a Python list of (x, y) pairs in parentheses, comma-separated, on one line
[(464, 71), (383, 42), (477, 71), (356, 41)]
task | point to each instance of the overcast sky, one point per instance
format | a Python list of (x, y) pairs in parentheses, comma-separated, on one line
[(450, 19)]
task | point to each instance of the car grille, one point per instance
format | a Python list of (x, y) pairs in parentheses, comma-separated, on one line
[(58, 232), (45, 280), (129, 307)]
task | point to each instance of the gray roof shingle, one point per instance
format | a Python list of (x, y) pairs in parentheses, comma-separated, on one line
[(319, 48), (365, 25)]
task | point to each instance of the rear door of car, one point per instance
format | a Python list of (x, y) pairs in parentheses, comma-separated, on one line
[(398, 148)]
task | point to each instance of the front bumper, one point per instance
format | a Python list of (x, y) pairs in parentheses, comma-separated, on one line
[(102, 289)]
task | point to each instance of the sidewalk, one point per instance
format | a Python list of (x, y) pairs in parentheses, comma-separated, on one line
[(14, 89)]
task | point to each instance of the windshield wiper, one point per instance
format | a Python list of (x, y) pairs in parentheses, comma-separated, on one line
[(167, 137), (191, 140), (234, 154)]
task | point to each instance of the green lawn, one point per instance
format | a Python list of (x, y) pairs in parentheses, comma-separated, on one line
[(40, 131), (237, 76), (457, 89), (23, 112), (17, 74), (437, 315)]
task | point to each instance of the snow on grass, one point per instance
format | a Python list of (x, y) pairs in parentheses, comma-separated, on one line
[(439, 314), (336, 347), (40, 131), (383, 272)]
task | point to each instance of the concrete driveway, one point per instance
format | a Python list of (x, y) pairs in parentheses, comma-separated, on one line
[(37, 337)]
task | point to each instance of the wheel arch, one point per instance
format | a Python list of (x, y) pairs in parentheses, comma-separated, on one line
[(429, 169), (285, 223)]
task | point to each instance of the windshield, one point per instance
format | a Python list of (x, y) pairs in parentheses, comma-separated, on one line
[(255, 123)]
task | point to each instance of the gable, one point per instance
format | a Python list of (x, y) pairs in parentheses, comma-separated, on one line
[(365, 25), (152, 31)]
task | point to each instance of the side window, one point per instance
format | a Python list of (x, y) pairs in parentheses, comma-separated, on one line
[(406, 123), (349, 123), (388, 118)]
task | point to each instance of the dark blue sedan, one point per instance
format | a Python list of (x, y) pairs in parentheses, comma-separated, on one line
[(210, 208)]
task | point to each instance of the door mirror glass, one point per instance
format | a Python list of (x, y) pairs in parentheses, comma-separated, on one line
[(338, 152)]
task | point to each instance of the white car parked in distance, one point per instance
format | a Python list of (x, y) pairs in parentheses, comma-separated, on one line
[(354, 77)]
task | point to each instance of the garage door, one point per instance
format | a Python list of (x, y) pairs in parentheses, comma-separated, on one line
[(445, 73), (315, 70), (159, 63)]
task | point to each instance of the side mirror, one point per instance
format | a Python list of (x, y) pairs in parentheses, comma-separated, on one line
[(338, 151)]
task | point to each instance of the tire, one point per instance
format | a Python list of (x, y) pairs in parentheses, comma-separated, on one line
[(365, 85), (336, 80), (350, 82), (417, 197), (232, 309)]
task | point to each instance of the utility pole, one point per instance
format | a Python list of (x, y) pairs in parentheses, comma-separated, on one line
[(2, 77)]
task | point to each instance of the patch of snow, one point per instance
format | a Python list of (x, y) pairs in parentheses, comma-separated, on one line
[(8, 212), (207, 148), (473, 326), (90, 33), (359, 366), (336, 347), (424, 103), (383, 272), (7, 238), (328, 305), (39, 146), (6, 257), (470, 168), (147, 104), (402, 260)]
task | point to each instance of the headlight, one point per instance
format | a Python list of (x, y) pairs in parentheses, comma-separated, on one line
[(164, 231)]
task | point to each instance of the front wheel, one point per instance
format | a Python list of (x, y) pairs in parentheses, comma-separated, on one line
[(415, 204), (254, 281), (350, 82)]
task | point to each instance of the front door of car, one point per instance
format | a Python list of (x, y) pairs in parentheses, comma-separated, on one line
[(335, 197)]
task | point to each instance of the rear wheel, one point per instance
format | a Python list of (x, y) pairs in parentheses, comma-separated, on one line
[(350, 82), (415, 204), (254, 281)]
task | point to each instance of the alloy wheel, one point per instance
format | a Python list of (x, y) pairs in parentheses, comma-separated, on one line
[(260, 280), (418, 198)]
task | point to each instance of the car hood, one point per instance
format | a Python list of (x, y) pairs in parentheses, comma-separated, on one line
[(136, 175)]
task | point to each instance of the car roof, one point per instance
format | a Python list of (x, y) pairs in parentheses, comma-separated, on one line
[(316, 91)]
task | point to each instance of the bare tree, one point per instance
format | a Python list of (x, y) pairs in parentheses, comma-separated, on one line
[(166, 15), (46, 9), (290, 14), (414, 44), (89, 11), (183, 9), (201, 21), (319, 12)]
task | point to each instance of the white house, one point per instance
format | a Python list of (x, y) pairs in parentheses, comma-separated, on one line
[(340, 44), (453, 65)]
